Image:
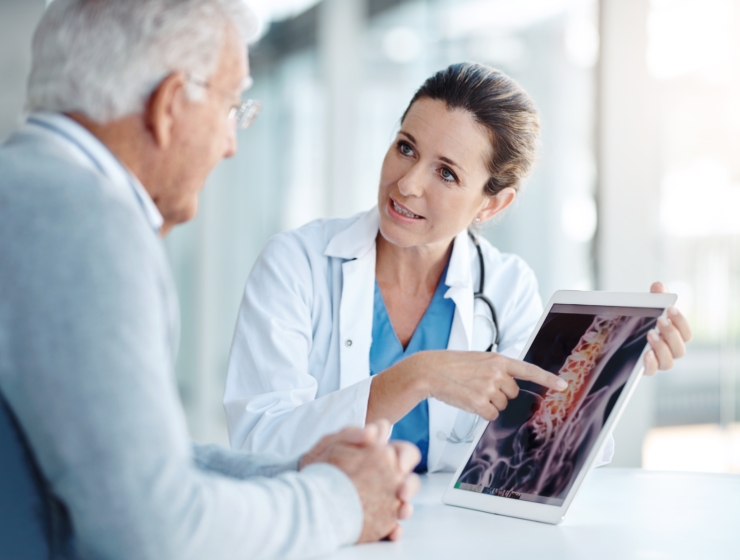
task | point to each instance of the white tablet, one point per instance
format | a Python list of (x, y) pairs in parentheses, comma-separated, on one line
[(532, 459)]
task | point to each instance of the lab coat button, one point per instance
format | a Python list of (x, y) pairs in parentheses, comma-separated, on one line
[(441, 435), (348, 342)]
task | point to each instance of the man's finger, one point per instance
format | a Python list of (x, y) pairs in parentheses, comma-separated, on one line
[(530, 372), (396, 533), (405, 511), (383, 430), (349, 436), (371, 432), (409, 488), (352, 436), (408, 455)]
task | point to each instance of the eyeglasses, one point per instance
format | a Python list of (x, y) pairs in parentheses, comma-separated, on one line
[(243, 114)]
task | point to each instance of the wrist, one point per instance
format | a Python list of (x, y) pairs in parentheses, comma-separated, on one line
[(418, 375)]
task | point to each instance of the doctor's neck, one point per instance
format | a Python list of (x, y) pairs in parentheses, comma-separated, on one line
[(411, 269)]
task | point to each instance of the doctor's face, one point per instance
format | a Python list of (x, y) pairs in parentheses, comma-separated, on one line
[(431, 183)]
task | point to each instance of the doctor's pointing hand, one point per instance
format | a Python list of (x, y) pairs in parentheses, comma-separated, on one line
[(477, 382), (347, 321)]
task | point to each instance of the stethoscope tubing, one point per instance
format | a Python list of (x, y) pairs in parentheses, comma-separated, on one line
[(479, 295)]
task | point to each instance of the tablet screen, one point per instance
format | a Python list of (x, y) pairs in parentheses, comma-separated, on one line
[(535, 449)]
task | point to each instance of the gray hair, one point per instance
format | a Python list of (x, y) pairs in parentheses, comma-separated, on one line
[(104, 58)]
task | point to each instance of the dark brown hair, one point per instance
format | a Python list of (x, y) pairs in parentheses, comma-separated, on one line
[(501, 106)]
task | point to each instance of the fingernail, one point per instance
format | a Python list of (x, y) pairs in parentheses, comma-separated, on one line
[(561, 384), (672, 311), (653, 336), (664, 322)]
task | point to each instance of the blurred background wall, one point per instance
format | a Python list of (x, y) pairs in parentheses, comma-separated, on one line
[(638, 177)]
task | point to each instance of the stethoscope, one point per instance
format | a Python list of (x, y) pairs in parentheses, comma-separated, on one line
[(495, 337), (480, 296)]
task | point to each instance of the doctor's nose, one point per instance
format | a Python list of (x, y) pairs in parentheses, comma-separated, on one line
[(412, 183)]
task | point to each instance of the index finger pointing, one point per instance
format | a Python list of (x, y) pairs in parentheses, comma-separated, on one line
[(530, 372)]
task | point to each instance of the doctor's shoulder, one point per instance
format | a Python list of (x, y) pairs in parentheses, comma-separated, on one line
[(310, 239), (506, 271), (299, 252)]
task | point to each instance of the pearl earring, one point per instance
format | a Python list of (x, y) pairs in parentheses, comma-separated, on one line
[(477, 220)]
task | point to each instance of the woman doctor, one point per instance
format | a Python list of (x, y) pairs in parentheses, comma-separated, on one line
[(345, 321)]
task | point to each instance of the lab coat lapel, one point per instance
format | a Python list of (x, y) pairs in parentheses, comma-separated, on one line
[(357, 245), (356, 318), (442, 417)]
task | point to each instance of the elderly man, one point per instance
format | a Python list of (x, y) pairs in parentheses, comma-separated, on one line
[(131, 106)]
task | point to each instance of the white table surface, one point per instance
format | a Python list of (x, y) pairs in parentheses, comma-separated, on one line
[(618, 514)]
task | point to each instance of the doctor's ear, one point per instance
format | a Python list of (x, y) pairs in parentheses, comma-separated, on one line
[(496, 204)]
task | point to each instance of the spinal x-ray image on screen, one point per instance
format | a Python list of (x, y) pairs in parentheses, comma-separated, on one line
[(535, 449)]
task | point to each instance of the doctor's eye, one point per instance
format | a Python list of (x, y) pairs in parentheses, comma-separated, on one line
[(404, 148), (447, 175)]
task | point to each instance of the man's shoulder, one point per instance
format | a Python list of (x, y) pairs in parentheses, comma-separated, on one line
[(40, 187), (68, 224)]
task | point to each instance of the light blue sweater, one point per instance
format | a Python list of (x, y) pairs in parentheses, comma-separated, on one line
[(88, 331)]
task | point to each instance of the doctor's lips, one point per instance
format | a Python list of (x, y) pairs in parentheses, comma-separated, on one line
[(405, 212)]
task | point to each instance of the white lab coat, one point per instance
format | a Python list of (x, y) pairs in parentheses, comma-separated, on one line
[(300, 361)]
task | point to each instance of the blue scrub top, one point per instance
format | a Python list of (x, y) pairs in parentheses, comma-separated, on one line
[(432, 333)]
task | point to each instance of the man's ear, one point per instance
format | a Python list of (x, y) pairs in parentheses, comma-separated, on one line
[(497, 204), (166, 105)]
